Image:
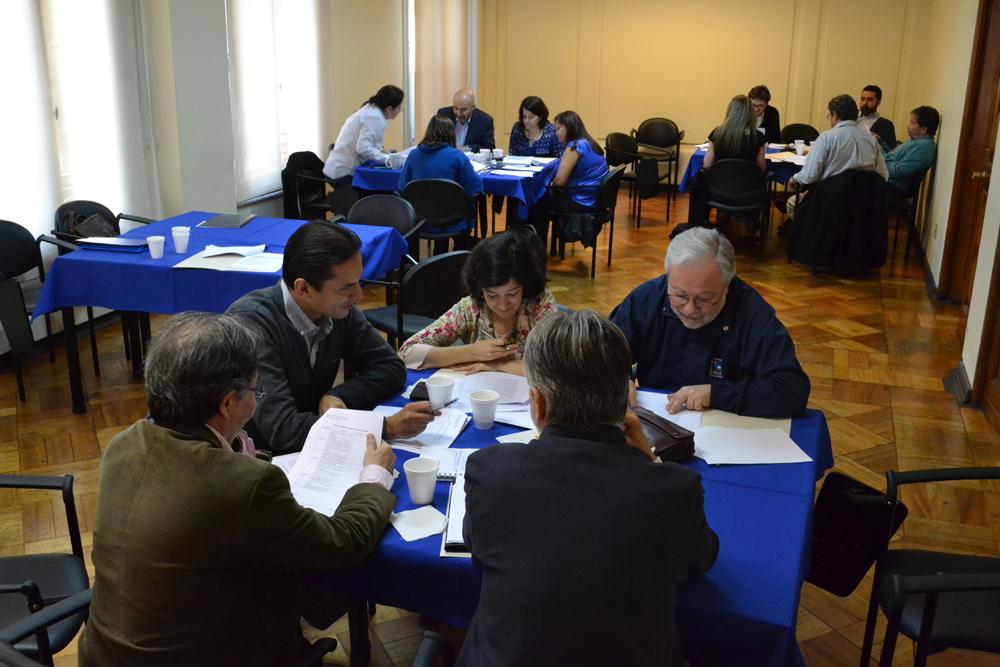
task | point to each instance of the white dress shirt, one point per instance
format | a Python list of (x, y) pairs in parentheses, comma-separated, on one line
[(842, 147), (360, 140)]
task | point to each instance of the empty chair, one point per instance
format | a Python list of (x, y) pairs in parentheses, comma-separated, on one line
[(29, 583), (388, 211), (19, 255), (739, 187), (798, 131), (660, 138), (641, 173), (304, 189), (940, 600), (426, 292), (602, 212), (442, 209)]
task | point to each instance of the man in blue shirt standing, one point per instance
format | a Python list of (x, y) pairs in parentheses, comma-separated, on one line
[(909, 161), (700, 330)]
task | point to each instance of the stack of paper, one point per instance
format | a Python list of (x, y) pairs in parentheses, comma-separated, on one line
[(332, 458), (720, 444), (439, 433), (261, 262), (243, 250)]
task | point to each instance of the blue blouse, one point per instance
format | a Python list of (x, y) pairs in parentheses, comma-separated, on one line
[(547, 145), (441, 161), (588, 173)]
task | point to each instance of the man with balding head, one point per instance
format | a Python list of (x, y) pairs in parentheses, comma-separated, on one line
[(473, 127)]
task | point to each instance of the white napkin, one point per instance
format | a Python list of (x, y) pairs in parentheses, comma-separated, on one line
[(419, 523)]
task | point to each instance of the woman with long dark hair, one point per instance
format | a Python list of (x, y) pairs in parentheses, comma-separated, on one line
[(533, 134), (737, 138), (362, 136)]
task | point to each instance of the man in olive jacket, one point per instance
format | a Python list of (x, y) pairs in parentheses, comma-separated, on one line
[(197, 542)]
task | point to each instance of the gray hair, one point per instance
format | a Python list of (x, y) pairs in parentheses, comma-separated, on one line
[(580, 362), (193, 362), (698, 244)]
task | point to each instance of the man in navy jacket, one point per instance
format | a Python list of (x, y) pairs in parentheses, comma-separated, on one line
[(702, 331), (473, 127)]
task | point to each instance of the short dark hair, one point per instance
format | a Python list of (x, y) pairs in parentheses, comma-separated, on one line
[(387, 97), (872, 88), (516, 254), (575, 129), (760, 93), (314, 249), (843, 107), (194, 360), (927, 117), (580, 362), (440, 131), (535, 105)]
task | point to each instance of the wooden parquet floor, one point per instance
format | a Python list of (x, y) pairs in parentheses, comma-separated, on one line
[(876, 351)]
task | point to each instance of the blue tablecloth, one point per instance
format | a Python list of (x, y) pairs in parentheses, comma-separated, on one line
[(526, 190), (134, 282), (743, 611), (776, 171)]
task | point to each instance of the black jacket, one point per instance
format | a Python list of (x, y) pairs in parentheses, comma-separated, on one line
[(886, 131), (480, 134), (745, 353), (772, 125), (561, 528)]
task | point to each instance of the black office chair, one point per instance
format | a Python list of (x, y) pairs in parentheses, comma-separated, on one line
[(439, 203), (660, 138), (903, 206), (37, 624), (940, 600), (641, 173), (426, 292), (19, 255), (389, 211), (798, 131), (30, 583), (303, 187), (740, 187), (602, 212)]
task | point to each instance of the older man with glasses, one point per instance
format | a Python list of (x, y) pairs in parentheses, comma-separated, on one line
[(702, 331)]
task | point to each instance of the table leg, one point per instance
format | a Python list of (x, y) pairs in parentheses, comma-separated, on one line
[(135, 342), (357, 621), (73, 362)]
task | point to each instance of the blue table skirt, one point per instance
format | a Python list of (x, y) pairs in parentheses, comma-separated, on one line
[(526, 191), (777, 171), (135, 282), (743, 611)]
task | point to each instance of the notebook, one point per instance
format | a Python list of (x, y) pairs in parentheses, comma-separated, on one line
[(118, 243), (453, 540), (227, 221)]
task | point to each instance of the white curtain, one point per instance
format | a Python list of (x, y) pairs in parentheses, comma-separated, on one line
[(276, 88)]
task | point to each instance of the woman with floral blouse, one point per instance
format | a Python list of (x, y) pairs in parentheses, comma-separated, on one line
[(505, 275)]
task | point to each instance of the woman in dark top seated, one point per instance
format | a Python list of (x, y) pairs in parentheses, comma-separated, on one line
[(533, 134), (737, 138)]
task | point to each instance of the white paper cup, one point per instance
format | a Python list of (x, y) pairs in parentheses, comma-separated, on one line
[(394, 161), (485, 154), (439, 391), (800, 147), (421, 478), (181, 236), (484, 407), (156, 246), (497, 153)]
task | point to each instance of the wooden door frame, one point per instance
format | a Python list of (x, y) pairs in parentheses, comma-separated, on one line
[(944, 288), (989, 344)]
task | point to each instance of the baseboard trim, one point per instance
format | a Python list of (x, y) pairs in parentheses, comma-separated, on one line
[(957, 383)]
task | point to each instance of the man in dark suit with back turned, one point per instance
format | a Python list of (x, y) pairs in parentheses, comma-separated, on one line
[(473, 127), (563, 527)]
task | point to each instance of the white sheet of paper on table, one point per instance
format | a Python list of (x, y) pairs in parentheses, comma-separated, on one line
[(242, 250), (657, 403), (730, 420), (441, 432), (451, 460), (721, 445), (511, 172), (521, 437), (512, 388), (265, 262), (419, 523), (518, 159), (521, 418)]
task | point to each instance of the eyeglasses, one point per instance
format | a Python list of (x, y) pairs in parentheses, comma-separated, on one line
[(681, 300), (259, 392)]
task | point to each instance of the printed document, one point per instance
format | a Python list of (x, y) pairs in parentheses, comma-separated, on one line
[(439, 433), (657, 404), (332, 458)]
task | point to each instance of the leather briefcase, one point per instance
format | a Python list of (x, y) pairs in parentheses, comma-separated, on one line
[(669, 441)]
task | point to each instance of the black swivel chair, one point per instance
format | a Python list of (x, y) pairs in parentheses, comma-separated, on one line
[(602, 212), (440, 203), (798, 131), (940, 600), (425, 293), (19, 255), (740, 187), (660, 138), (30, 583)]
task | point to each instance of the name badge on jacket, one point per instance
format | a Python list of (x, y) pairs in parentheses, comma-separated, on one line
[(715, 368)]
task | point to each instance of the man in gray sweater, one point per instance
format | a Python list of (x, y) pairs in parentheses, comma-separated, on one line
[(308, 324)]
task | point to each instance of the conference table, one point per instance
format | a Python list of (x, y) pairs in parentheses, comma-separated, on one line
[(133, 282), (741, 612), (778, 172), (524, 190)]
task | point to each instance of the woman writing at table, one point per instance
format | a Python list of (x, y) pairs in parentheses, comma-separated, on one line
[(505, 276), (436, 157), (533, 134), (736, 139), (361, 138)]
